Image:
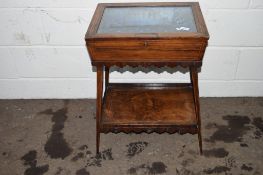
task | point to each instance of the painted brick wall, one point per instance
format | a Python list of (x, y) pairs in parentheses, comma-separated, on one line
[(42, 51)]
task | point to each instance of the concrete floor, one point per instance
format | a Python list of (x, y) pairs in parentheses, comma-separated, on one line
[(57, 137)]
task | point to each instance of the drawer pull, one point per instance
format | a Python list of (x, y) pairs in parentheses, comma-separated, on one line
[(145, 43)]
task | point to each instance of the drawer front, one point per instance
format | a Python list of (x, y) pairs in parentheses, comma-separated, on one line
[(149, 50), (148, 44)]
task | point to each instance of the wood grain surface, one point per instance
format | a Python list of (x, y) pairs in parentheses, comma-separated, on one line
[(129, 105)]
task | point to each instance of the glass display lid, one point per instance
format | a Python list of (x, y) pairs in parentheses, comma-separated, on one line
[(147, 20)]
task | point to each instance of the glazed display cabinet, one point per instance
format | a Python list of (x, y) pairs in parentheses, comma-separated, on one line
[(147, 34)]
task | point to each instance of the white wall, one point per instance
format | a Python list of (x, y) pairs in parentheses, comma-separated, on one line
[(42, 51)]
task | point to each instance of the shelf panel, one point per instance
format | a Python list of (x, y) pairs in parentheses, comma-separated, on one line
[(148, 106)]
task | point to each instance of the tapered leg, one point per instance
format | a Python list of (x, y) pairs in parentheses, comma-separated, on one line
[(194, 81), (106, 76), (99, 105)]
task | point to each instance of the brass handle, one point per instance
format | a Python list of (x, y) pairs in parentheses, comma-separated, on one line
[(145, 43)]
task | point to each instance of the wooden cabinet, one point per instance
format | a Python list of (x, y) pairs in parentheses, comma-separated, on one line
[(146, 34)]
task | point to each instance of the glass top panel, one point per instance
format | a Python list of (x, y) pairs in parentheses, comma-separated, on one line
[(147, 20)]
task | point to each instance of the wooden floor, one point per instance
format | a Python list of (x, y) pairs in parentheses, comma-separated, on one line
[(134, 105)]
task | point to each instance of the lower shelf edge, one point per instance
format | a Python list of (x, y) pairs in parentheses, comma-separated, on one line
[(192, 129)]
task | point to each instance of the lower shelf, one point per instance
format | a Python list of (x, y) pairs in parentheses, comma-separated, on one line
[(149, 108)]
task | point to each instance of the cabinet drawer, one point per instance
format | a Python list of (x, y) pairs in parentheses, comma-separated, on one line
[(145, 50), (142, 54), (148, 44)]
